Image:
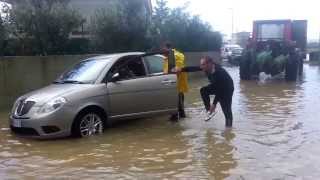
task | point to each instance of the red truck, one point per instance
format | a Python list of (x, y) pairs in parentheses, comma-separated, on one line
[(276, 46)]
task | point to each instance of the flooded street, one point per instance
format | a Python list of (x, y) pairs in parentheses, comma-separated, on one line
[(275, 136)]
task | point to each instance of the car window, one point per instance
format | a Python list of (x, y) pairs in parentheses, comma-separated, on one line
[(154, 64), (128, 68)]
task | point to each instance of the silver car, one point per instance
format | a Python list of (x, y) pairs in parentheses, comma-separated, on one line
[(93, 94)]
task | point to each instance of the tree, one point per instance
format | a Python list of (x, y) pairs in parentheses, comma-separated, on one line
[(122, 26), (2, 36), (186, 32), (43, 25), (3, 29), (159, 18)]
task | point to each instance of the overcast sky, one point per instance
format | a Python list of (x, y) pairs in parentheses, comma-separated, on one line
[(219, 13)]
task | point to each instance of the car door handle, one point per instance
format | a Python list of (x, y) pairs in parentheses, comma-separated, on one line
[(168, 82)]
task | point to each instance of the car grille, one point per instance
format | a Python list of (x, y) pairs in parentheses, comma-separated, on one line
[(24, 107), (24, 131), (50, 129)]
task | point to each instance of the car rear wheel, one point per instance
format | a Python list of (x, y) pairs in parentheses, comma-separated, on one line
[(88, 124)]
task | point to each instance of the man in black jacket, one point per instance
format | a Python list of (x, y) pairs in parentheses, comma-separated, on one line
[(221, 85)]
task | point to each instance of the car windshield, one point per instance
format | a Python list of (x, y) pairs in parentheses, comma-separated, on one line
[(85, 72)]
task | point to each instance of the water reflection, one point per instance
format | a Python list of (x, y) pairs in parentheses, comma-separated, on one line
[(147, 149), (220, 155), (275, 99), (211, 150), (275, 136)]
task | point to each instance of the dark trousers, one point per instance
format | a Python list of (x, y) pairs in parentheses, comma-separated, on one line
[(181, 105), (224, 99)]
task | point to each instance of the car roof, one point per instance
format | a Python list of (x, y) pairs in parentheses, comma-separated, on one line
[(115, 55)]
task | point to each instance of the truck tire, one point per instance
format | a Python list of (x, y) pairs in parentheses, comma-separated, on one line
[(300, 68), (291, 69), (244, 69)]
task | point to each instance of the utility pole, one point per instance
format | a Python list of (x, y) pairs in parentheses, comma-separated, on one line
[(319, 41), (232, 24)]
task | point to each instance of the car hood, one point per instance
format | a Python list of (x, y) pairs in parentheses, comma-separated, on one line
[(43, 95)]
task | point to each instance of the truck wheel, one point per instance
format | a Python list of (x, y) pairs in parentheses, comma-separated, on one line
[(244, 68), (300, 70), (291, 70)]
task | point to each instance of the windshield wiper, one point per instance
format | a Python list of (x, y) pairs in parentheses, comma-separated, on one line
[(68, 82), (57, 82)]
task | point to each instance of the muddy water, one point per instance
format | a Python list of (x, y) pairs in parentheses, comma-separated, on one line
[(275, 136)]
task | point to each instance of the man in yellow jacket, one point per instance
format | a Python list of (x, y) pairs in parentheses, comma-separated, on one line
[(182, 78)]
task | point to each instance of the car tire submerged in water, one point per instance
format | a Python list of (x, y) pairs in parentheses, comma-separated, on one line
[(88, 123)]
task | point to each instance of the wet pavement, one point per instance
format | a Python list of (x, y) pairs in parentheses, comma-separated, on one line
[(275, 136)]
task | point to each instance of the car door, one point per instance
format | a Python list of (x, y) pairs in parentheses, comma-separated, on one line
[(136, 92), (163, 86)]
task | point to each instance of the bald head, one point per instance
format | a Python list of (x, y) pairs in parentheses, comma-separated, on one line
[(206, 64)]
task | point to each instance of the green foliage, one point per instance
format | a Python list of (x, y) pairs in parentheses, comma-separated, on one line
[(266, 63), (122, 26), (77, 46), (185, 31), (45, 24), (3, 29), (2, 35), (43, 27), (125, 26)]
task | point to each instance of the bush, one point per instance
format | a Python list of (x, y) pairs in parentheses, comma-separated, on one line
[(77, 46), (42, 27), (122, 26), (46, 23)]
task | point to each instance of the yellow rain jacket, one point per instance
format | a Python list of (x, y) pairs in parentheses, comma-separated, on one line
[(182, 78)]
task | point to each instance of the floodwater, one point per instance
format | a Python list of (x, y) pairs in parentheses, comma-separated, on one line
[(275, 136)]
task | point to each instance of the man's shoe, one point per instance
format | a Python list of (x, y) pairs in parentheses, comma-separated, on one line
[(182, 114), (209, 115), (174, 117)]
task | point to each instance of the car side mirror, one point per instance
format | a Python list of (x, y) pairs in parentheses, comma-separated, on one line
[(115, 77)]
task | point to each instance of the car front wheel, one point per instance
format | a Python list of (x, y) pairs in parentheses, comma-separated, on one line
[(88, 124)]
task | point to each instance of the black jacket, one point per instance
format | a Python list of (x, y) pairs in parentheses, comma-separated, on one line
[(220, 81)]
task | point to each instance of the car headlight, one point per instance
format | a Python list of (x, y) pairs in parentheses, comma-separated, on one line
[(15, 105), (52, 105)]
